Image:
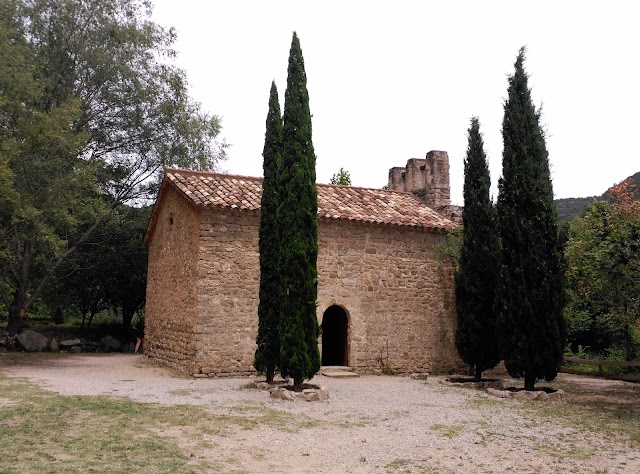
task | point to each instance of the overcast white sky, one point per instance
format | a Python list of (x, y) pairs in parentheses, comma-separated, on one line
[(389, 81)]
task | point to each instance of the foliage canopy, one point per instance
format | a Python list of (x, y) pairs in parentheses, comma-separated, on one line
[(477, 272), (341, 177), (90, 112), (298, 221), (267, 354), (603, 275), (530, 295)]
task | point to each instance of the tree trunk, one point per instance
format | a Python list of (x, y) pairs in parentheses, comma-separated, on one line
[(628, 343), (529, 382), (91, 315), (16, 315), (15, 322), (127, 317), (270, 373), (297, 383), (478, 377)]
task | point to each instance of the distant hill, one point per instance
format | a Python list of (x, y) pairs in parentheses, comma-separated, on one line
[(568, 208)]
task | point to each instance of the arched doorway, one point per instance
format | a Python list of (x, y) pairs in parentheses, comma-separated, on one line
[(334, 336)]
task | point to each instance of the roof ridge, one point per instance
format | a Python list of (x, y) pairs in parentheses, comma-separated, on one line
[(348, 186), (215, 173), (261, 178)]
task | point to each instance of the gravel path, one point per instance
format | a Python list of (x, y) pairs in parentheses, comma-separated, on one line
[(369, 424)]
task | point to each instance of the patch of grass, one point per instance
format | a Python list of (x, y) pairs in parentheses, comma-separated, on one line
[(399, 464), (485, 401), (565, 450), (406, 465), (181, 392), (354, 424), (388, 369), (611, 421), (8, 359), (450, 431), (48, 432)]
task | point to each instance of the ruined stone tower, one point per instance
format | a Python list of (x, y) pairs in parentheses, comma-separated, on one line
[(428, 179)]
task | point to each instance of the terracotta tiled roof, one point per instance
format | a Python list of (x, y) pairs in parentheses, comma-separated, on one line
[(334, 201)]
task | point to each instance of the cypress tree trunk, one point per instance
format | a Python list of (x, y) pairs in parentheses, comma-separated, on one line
[(529, 382), (530, 293), (298, 220), (267, 355), (478, 376), (477, 271)]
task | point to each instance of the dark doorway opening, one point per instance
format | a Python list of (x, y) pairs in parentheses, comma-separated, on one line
[(334, 337)]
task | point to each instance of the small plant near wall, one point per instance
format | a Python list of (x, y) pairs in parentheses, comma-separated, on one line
[(383, 359)]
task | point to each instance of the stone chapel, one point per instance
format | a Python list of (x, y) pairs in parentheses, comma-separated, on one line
[(385, 294)]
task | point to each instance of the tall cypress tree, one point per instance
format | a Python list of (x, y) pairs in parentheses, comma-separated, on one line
[(267, 355), (298, 219), (530, 293), (477, 272)]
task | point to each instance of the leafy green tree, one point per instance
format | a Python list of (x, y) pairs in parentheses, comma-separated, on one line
[(125, 263), (298, 219), (341, 177), (603, 275), (267, 355), (530, 294), (477, 273), (89, 115), (110, 269), (38, 147), (82, 282)]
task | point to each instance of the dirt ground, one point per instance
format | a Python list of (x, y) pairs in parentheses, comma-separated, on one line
[(378, 423)]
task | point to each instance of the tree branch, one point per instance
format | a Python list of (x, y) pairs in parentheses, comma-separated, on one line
[(87, 233), (4, 297)]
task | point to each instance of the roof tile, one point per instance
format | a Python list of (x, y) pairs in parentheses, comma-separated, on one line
[(334, 201)]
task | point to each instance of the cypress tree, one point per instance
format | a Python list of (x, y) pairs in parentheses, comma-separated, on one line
[(477, 272), (530, 295), (298, 219), (267, 355)]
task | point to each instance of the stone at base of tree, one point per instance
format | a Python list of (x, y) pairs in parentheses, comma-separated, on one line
[(499, 393), (282, 394), (311, 395), (32, 341), (70, 343), (315, 394), (262, 385), (110, 343), (53, 345), (423, 376), (540, 395), (469, 383)]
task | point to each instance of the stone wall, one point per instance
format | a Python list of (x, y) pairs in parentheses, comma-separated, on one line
[(171, 284), (395, 294), (427, 178), (228, 283), (398, 298)]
